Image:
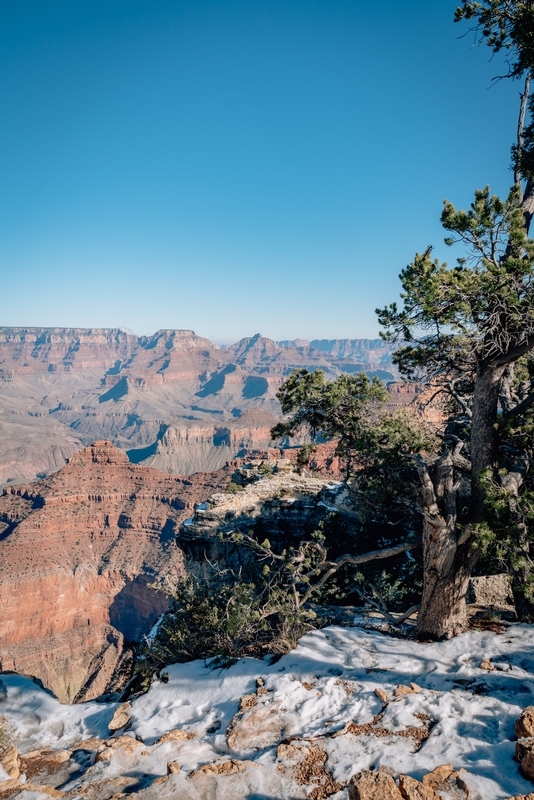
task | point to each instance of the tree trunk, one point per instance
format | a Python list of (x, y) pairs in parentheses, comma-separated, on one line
[(485, 406), (447, 563), (443, 611)]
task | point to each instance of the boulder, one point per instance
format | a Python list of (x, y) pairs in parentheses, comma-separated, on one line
[(524, 724), (370, 785), (411, 789), (10, 762), (438, 775), (120, 718), (490, 591), (524, 752)]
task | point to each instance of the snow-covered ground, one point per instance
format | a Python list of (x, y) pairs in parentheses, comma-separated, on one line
[(314, 692)]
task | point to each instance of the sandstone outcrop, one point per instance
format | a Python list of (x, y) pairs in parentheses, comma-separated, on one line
[(78, 551), (286, 503), (443, 781)]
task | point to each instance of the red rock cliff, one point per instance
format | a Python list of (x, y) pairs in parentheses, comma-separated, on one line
[(77, 552)]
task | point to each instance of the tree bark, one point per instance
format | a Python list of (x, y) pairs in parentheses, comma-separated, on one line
[(443, 611), (447, 563)]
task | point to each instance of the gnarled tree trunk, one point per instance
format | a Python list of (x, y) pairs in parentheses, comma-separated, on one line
[(446, 560), (448, 554)]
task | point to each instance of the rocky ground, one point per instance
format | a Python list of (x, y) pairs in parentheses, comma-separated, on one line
[(350, 713)]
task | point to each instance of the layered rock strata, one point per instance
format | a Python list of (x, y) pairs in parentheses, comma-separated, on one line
[(284, 504), (174, 399), (77, 554)]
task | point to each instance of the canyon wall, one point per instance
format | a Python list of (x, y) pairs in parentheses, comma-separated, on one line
[(78, 552), (172, 400)]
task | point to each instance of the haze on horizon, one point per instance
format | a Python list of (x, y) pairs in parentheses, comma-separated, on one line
[(264, 165)]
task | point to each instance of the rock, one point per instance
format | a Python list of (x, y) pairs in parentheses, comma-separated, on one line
[(102, 527), (523, 747), (9, 786), (45, 762), (176, 736), (89, 744), (126, 743), (487, 665), (173, 768), (260, 726), (413, 790), (415, 688), (43, 789), (120, 718), (104, 755), (10, 762), (223, 767), (524, 724), (382, 695), (159, 781), (403, 690), (524, 752), (438, 775), (490, 591), (369, 785)]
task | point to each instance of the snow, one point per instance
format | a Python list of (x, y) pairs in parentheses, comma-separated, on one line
[(328, 681)]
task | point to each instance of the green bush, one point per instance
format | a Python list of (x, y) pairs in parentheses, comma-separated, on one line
[(265, 469), (233, 488)]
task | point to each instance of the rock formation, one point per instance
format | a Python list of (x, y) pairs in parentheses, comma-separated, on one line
[(78, 551), (173, 400), (284, 504)]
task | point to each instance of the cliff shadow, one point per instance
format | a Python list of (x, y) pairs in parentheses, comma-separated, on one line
[(136, 608)]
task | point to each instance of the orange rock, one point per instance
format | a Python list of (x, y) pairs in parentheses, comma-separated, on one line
[(49, 790), (382, 695), (120, 717), (403, 690), (414, 790), (97, 525), (370, 785), (438, 775), (104, 755), (524, 725), (223, 767), (10, 762), (173, 768), (176, 736)]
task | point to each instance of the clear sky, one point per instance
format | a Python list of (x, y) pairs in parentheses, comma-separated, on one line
[(234, 166)]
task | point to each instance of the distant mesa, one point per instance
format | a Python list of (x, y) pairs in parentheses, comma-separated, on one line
[(71, 386)]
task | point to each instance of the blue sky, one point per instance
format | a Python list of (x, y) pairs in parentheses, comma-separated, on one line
[(235, 166)]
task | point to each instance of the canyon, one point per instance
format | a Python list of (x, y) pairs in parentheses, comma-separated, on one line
[(79, 552), (173, 401), (83, 549), (123, 439)]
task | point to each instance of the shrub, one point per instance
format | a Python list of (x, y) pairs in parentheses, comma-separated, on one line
[(265, 469), (233, 488)]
